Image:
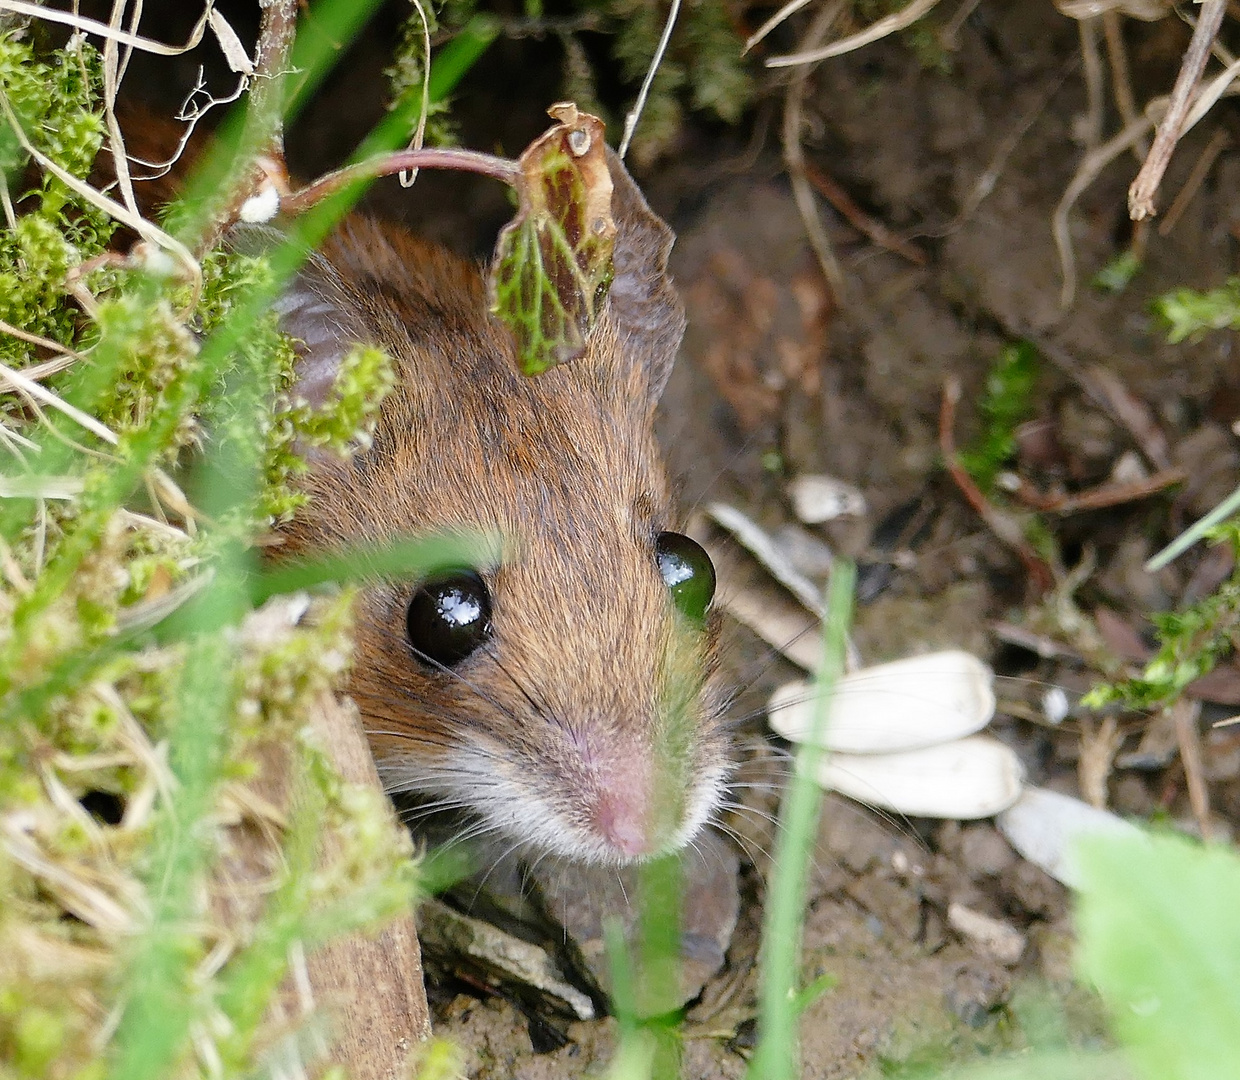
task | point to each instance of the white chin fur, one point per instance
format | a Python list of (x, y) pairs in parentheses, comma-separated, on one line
[(512, 809)]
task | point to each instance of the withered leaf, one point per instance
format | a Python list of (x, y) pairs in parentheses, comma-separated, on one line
[(552, 265)]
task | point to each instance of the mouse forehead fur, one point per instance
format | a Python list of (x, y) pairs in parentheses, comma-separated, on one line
[(466, 442)]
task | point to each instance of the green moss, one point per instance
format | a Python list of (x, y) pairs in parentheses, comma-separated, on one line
[(54, 104), (171, 723), (1006, 402), (1187, 313)]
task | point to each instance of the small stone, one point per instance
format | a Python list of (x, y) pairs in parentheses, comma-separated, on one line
[(991, 936)]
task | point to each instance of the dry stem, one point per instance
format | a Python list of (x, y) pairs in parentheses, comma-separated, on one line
[(874, 32), (794, 155), (1141, 193)]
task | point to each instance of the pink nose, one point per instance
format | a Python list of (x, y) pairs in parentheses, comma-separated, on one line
[(621, 820)]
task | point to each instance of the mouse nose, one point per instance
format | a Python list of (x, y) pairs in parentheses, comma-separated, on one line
[(621, 819)]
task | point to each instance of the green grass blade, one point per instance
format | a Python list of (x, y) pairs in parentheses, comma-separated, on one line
[(779, 1005)]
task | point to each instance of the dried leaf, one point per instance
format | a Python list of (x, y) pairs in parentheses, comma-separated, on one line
[(553, 264)]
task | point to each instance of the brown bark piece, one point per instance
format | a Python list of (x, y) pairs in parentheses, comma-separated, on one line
[(372, 984)]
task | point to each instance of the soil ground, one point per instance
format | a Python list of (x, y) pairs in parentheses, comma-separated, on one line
[(965, 159)]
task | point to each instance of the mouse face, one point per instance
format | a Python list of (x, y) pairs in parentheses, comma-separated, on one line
[(564, 695)]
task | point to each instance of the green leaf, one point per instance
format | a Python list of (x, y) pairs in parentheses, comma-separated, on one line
[(552, 267), (1160, 937)]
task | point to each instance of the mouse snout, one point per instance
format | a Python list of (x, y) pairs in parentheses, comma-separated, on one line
[(621, 818), (625, 814), (634, 800)]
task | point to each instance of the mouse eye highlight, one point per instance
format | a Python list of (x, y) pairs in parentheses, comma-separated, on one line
[(449, 616), (687, 571)]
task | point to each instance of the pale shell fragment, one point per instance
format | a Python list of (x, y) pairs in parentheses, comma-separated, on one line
[(817, 498), (911, 703), (962, 780), (1044, 827), (754, 539)]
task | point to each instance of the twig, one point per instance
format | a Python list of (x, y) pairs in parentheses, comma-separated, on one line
[(1004, 526), (1132, 412), (785, 12), (112, 75), (429, 157), (419, 136), (65, 357), (635, 113), (1185, 714), (794, 155), (1121, 83), (92, 26), (30, 388), (859, 219), (1196, 178), (1091, 64), (1098, 746), (139, 224), (989, 178), (1141, 193), (874, 32), (947, 36), (262, 139), (1091, 165), (1100, 497)]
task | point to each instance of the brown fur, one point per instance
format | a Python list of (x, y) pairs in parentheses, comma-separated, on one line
[(591, 681)]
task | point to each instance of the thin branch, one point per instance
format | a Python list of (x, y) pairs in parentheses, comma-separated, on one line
[(1218, 141), (794, 155), (92, 26), (263, 137), (785, 12), (874, 32), (1091, 165), (1141, 193), (630, 121), (139, 224), (859, 219), (32, 389), (1003, 525), (1091, 64), (429, 157), (1121, 82), (419, 136)]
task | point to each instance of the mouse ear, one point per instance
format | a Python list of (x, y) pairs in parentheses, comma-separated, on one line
[(315, 310), (645, 309)]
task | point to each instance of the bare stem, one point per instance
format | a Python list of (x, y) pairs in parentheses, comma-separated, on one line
[(1141, 193), (497, 168), (263, 139)]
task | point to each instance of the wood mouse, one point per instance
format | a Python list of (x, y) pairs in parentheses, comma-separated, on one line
[(567, 697)]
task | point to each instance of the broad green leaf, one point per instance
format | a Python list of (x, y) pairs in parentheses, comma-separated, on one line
[(552, 264), (1160, 938)]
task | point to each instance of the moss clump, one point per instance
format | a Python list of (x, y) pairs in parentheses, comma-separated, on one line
[(54, 102), (152, 726)]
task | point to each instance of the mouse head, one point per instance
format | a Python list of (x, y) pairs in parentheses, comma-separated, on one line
[(565, 694)]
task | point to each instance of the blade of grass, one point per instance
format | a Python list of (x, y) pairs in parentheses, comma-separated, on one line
[(658, 990), (399, 557), (1190, 536), (780, 1004)]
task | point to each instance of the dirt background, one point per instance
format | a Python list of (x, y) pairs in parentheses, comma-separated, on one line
[(964, 160)]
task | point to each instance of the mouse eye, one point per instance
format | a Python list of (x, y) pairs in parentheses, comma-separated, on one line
[(687, 571), (449, 616)]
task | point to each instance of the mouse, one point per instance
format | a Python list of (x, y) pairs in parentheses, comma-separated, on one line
[(566, 696)]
